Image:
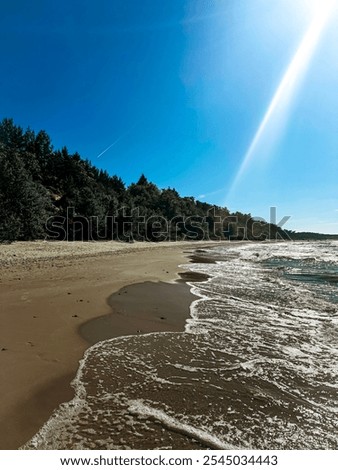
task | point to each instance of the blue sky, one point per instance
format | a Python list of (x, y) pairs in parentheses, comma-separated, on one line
[(180, 88)]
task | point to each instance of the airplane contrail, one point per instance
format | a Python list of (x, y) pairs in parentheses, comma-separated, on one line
[(115, 142)]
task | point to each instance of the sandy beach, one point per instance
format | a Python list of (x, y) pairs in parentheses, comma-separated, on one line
[(57, 298)]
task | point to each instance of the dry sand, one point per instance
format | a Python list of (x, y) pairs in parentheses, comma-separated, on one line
[(51, 291)]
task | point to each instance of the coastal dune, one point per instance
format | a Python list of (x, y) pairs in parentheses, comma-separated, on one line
[(51, 294)]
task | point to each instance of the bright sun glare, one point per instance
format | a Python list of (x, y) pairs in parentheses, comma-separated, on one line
[(277, 111)]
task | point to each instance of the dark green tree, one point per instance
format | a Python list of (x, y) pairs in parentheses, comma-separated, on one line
[(24, 204)]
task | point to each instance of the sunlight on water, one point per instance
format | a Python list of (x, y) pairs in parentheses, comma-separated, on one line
[(257, 366)]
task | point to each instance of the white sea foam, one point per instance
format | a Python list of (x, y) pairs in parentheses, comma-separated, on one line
[(257, 365), (139, 408)]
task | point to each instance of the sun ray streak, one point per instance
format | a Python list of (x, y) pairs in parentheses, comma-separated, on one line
[(282, 99)]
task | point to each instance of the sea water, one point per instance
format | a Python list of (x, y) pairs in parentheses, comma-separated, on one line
[(256, 367)]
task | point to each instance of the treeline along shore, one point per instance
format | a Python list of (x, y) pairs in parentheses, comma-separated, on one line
[(53, 194)]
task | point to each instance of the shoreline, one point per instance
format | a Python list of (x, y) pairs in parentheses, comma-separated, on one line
[(164, 307), (46, 301)]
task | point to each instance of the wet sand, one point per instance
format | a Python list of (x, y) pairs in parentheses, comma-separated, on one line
[(50, 293), (141, 308)]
